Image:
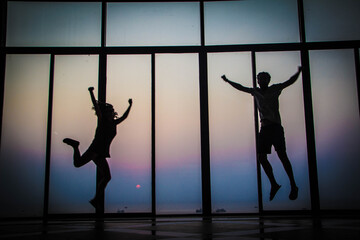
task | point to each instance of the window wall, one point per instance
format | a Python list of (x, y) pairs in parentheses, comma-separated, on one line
[(281, 66), (337, 127), (23, 137), (153, 24), (73, 117), (190, 138), (40, 24), (337, 21), (129, 76), (178, 153), (232, 134), (246, 22)]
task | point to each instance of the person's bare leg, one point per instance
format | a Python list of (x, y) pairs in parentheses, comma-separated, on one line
[(75, 145), (105, 178), (78, 159), (288, 169), (269, 173)]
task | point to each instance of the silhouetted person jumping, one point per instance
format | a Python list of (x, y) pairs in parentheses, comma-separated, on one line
[(99, 149), (271, 132)]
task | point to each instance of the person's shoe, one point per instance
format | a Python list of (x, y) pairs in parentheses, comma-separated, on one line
[(274, 191), (71, 142), (294, 193)]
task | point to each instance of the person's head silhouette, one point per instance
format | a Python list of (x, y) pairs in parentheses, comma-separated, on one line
[(107, 111), (263, 79)]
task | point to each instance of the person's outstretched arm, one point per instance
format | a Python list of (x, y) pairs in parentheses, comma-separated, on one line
[(126, 113), (292, 79), (238, 86), (94, 102)]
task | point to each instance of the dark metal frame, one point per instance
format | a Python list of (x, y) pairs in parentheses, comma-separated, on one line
[(309, 122), (303, 47)]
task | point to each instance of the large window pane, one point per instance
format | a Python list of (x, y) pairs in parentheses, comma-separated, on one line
[(232, 135), (53, 24), (23, 139), (71, 188), (337, 128), (129, 76), (178, 160), (281, 66), (256, 21), (153, 24), (332, 20)]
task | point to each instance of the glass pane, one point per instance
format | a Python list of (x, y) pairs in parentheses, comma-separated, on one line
[(337, 128), (23, 139), (257, 21), (129, 76), (281, 66), (178, 158), (232, 135), (153, 24), (71, 188), (337, 21), (53, 24)]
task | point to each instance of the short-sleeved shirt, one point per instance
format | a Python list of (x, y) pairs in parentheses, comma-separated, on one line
[(267, 102)]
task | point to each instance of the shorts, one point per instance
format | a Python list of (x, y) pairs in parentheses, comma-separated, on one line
[(102, 150), (271, 135)]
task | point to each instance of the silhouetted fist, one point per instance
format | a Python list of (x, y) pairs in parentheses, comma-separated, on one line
[(91, 89), (224, 78), (300, 68), (130, 101)]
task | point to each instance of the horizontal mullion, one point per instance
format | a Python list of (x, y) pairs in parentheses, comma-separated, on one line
[(98, 50), (52, 50), (332, 45), (112, 1), (184, 49)]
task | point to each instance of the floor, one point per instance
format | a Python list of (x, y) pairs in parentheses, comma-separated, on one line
[(177, 228)]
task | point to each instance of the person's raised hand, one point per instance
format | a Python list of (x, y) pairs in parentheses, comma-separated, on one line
[(224, 78)]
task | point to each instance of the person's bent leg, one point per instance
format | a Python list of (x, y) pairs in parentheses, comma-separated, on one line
[(75, 145), (78, 159), (289, 171), (81, 160), (262, 157)]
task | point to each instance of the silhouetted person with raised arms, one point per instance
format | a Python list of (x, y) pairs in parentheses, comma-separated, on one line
[(99, 149), (271, 132)]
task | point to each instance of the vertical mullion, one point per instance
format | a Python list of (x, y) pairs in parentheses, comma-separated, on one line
[(48, 138), (102, 56), (310, 132), (309, 115), (3, 23), (205, 148), (301, 15), (202, 24), (357, 72), (103, 23), (256, 120), (102, 98), (2, 57), (153, 144), (204, 120), (102, 92)]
